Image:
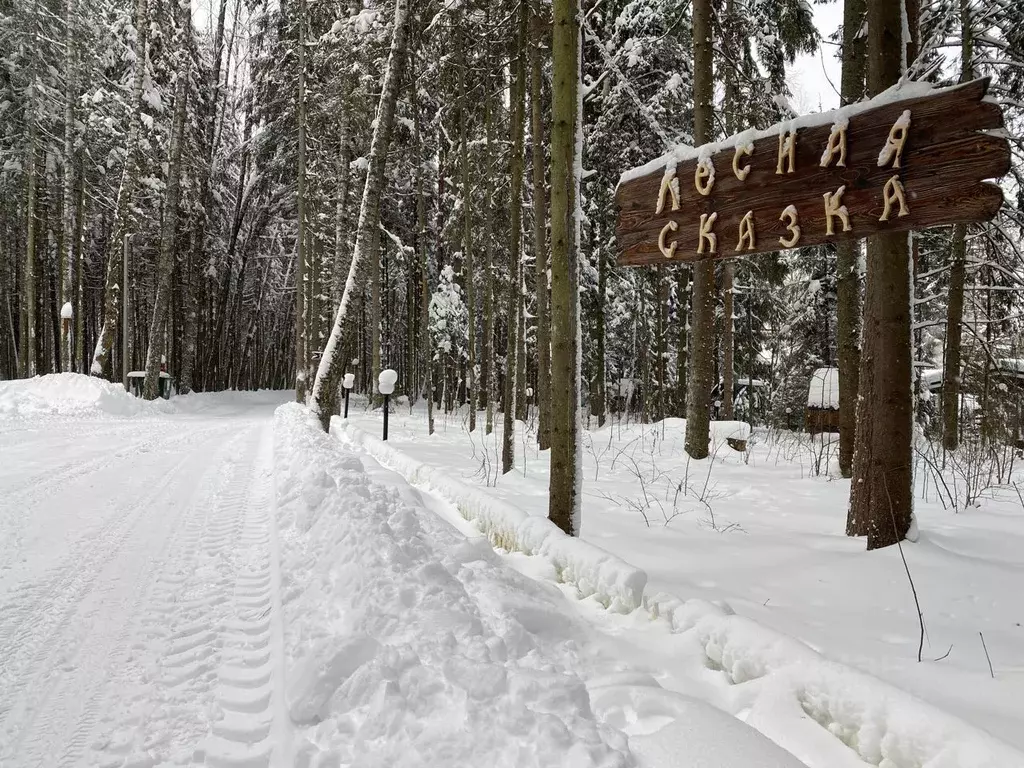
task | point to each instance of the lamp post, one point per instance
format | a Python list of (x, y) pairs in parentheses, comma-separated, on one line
[(124, 309), (386, 385), (348, 383)]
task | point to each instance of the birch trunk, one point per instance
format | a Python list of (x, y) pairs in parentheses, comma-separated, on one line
[(325, 387), (168, 230), (113, 291)]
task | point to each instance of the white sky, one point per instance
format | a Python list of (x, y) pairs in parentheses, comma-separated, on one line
[(809, 76)]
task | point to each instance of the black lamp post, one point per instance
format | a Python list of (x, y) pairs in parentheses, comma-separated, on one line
[(386, 385), (348, 383)]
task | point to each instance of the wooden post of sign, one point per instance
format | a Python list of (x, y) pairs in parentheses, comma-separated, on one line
[(881, 494), (702, 320)]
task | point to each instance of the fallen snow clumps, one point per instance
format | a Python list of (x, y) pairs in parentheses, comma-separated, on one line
[(593, 572), (404, 644), (780, 683)]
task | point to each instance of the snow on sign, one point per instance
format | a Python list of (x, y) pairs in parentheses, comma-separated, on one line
[(913, 157)]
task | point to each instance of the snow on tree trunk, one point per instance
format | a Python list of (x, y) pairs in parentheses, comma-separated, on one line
[(168, 230), (325, 388), (113, 292)]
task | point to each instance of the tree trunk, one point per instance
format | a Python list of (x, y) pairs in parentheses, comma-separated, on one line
[(518, 96), (683, 343), (165, 266), (601, 388), (300, 238), (114, 292), (702, 350), (540, 247), (563, 499), (955, 305), (79, 267), (488, 374), (68, 207), (421, 245), (467, 246), (848, 259), (325, 388), (881, 495), (28, 334)]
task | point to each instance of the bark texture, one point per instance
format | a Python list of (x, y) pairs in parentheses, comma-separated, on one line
[(702, 325)]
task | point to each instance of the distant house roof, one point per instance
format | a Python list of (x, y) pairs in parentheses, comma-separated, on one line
[(823, 390)]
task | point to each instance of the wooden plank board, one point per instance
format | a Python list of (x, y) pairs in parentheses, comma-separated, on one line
[(942, 164)]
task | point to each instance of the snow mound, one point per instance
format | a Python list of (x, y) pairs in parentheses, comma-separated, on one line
[(404, 644), (802, 701), (71, 395), (592, 571)]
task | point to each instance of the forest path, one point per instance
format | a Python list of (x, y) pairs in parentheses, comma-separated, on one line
[(139, 604)]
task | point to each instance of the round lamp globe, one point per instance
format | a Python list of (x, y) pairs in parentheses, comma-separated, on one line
[(386, 381)]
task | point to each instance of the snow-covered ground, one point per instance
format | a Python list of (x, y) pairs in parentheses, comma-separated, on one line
[(763, 531), (214, 581)]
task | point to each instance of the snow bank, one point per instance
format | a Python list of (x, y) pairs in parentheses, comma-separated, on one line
[(781, 683), (71, 395), (592, 571), (404, 642)]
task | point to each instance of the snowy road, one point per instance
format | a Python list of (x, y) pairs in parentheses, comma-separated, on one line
[(138, 587)]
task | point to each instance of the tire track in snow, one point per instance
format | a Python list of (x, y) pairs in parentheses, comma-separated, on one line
[(73, 631), (57, 694), (33, 494), (212, 697), (64, 586)]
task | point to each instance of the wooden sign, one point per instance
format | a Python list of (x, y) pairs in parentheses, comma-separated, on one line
[(881, 166)]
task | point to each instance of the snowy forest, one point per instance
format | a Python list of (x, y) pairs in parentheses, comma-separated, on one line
[(264, 194), (394, 383)]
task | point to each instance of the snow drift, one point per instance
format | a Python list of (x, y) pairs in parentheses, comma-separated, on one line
[(404, 643), (71, 395), (592, 571), (777, 684), (800, 699)]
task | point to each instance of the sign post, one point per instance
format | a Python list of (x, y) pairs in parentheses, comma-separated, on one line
[(908, 160)]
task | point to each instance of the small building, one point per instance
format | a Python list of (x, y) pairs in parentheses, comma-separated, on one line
[(822, 413), (136, 380)]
